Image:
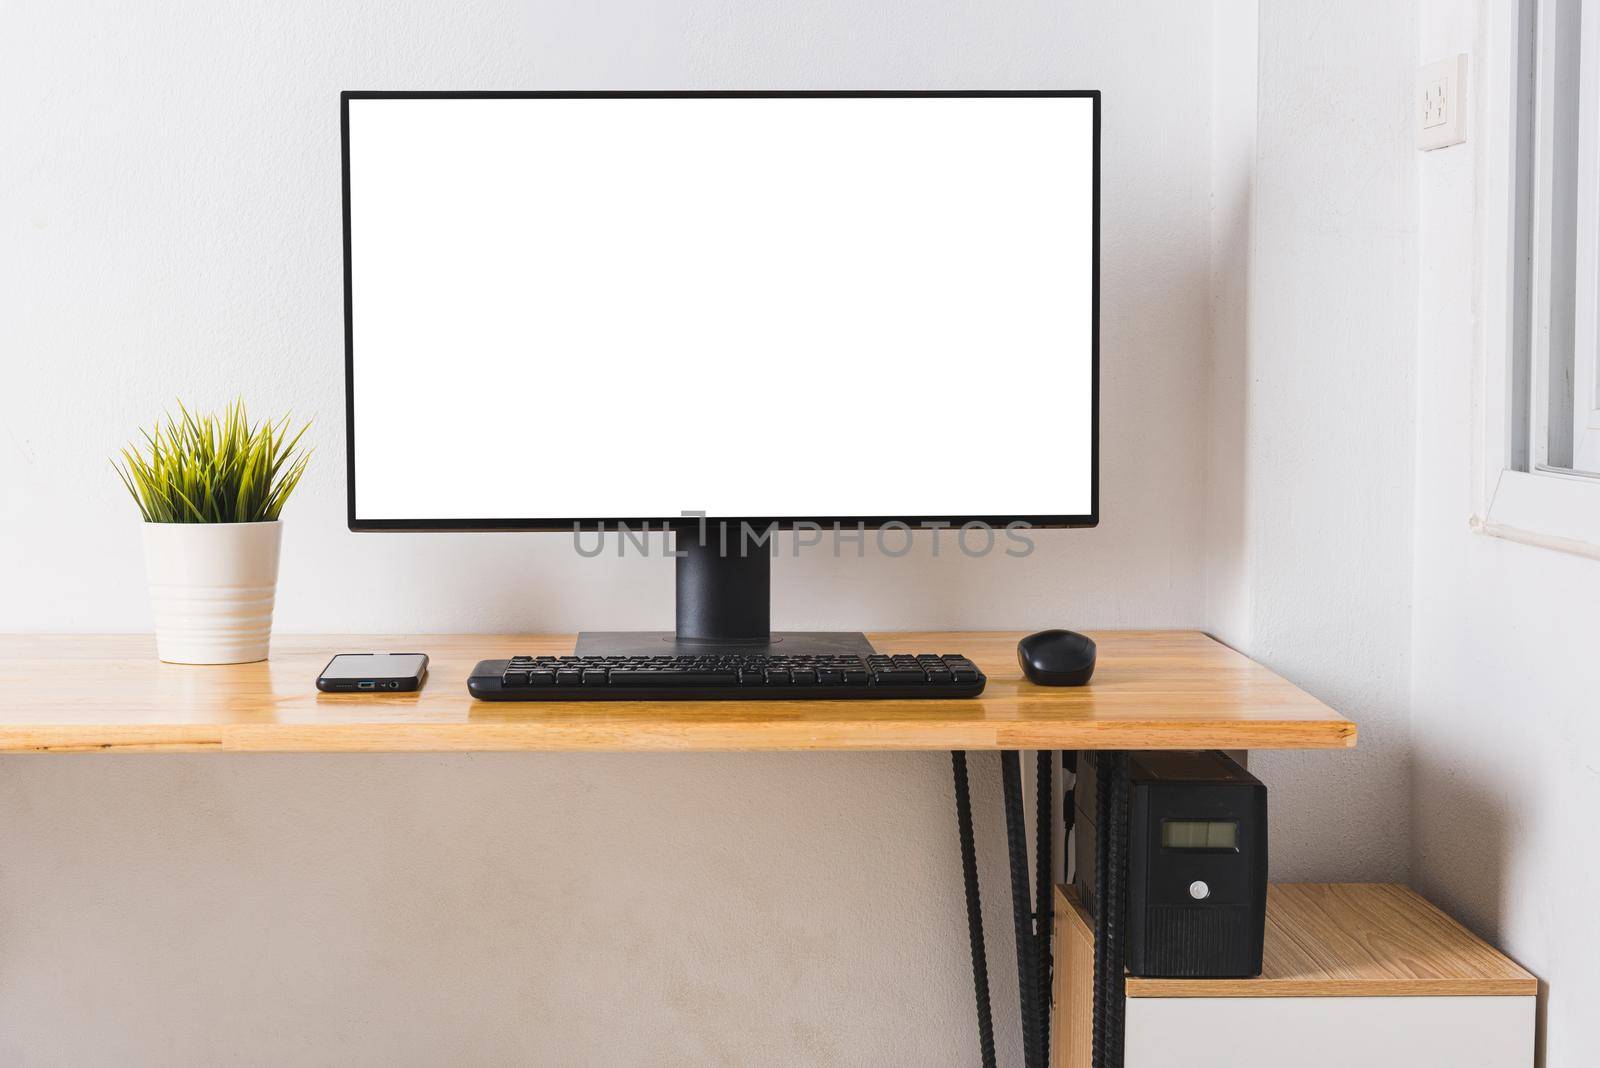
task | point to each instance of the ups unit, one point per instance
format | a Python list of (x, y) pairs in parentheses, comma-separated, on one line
[(1197, 863)]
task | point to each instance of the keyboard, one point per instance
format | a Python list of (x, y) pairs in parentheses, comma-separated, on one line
[(725, 677)]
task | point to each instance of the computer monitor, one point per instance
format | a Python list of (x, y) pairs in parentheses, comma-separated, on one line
[(579, 311)]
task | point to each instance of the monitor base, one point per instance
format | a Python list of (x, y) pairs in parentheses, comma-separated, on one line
[(667, 643)]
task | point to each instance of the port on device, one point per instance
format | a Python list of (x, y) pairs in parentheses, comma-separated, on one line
[(369, 685)]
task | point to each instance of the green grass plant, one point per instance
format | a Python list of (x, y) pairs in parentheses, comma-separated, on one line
[(216, 468)]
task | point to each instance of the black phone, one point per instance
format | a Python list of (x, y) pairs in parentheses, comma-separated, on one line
[(374, 672)]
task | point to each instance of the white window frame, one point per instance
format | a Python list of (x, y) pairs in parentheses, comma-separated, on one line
[(1586, 339), (1515, 497)]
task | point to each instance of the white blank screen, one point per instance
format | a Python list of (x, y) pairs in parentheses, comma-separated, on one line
[(614, 308)]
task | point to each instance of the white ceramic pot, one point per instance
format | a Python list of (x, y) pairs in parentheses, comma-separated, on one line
[(211, 589)]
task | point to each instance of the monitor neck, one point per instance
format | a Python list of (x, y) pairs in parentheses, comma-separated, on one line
[(724, 606), (724, 591)]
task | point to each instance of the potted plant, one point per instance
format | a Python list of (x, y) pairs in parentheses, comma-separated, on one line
[(210, 489)]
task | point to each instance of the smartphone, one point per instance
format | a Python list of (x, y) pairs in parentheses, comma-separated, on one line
[(381, 672)]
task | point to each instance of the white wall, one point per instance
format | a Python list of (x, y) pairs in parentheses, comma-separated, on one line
[(1468, 662), (169, 200), (1505, 771), (492, 909), (175, 234), (1312, 423)]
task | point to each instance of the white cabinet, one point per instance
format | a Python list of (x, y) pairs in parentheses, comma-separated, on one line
[(1462, 1032)]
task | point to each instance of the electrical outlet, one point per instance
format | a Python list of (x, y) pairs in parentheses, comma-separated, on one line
[(1442, 103), (1434, 94)]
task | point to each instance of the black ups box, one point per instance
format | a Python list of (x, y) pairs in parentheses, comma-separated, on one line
[(1197, 863)]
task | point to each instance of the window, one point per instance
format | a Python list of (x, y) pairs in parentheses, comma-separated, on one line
[(1564, 267), (1539, 407)]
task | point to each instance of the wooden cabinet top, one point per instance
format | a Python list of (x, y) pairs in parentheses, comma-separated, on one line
[(1347, 940)]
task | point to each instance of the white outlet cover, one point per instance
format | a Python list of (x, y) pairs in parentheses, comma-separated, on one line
[(1442, 103)]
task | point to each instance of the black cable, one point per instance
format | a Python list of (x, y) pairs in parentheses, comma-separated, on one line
[(1114, 906), (1069, 811), (1044, 892), (1069, 816), (1102, 867), (969, 872), (1021, 906)]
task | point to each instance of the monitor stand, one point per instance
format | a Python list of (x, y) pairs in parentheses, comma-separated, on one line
[(724, 606)]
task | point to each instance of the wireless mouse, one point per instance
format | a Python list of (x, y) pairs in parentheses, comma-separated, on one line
[(1056, 658)]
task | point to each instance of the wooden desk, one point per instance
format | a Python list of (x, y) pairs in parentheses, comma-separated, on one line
[(1151, 690)]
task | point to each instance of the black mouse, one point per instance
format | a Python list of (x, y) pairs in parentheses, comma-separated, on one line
[(1056, 658)]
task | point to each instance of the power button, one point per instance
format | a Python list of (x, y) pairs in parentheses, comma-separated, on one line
[(1199, 890)]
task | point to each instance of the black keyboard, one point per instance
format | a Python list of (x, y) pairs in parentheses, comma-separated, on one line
[(723, 677)]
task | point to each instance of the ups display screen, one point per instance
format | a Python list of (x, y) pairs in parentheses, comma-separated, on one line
[(575, 306), (1200, 834)]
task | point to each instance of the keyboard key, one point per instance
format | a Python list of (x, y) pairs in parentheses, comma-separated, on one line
[(673, 679), (900, 677)]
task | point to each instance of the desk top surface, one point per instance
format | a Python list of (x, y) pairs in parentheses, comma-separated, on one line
[(1151, 690)]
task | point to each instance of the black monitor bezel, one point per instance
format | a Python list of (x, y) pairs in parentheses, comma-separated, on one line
[(658, 522)]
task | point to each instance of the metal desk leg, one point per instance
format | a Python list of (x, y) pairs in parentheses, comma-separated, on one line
[(1111, 906), (969, 871), (1032, 925)]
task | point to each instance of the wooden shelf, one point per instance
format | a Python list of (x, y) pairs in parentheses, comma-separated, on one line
[(1352, 973), (1348, 940), (1152, 690)]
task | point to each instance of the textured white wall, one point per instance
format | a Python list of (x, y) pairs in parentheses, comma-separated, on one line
[(1505, 771), (492, 909), (169, 200), (172, 200), (1312, 436)]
